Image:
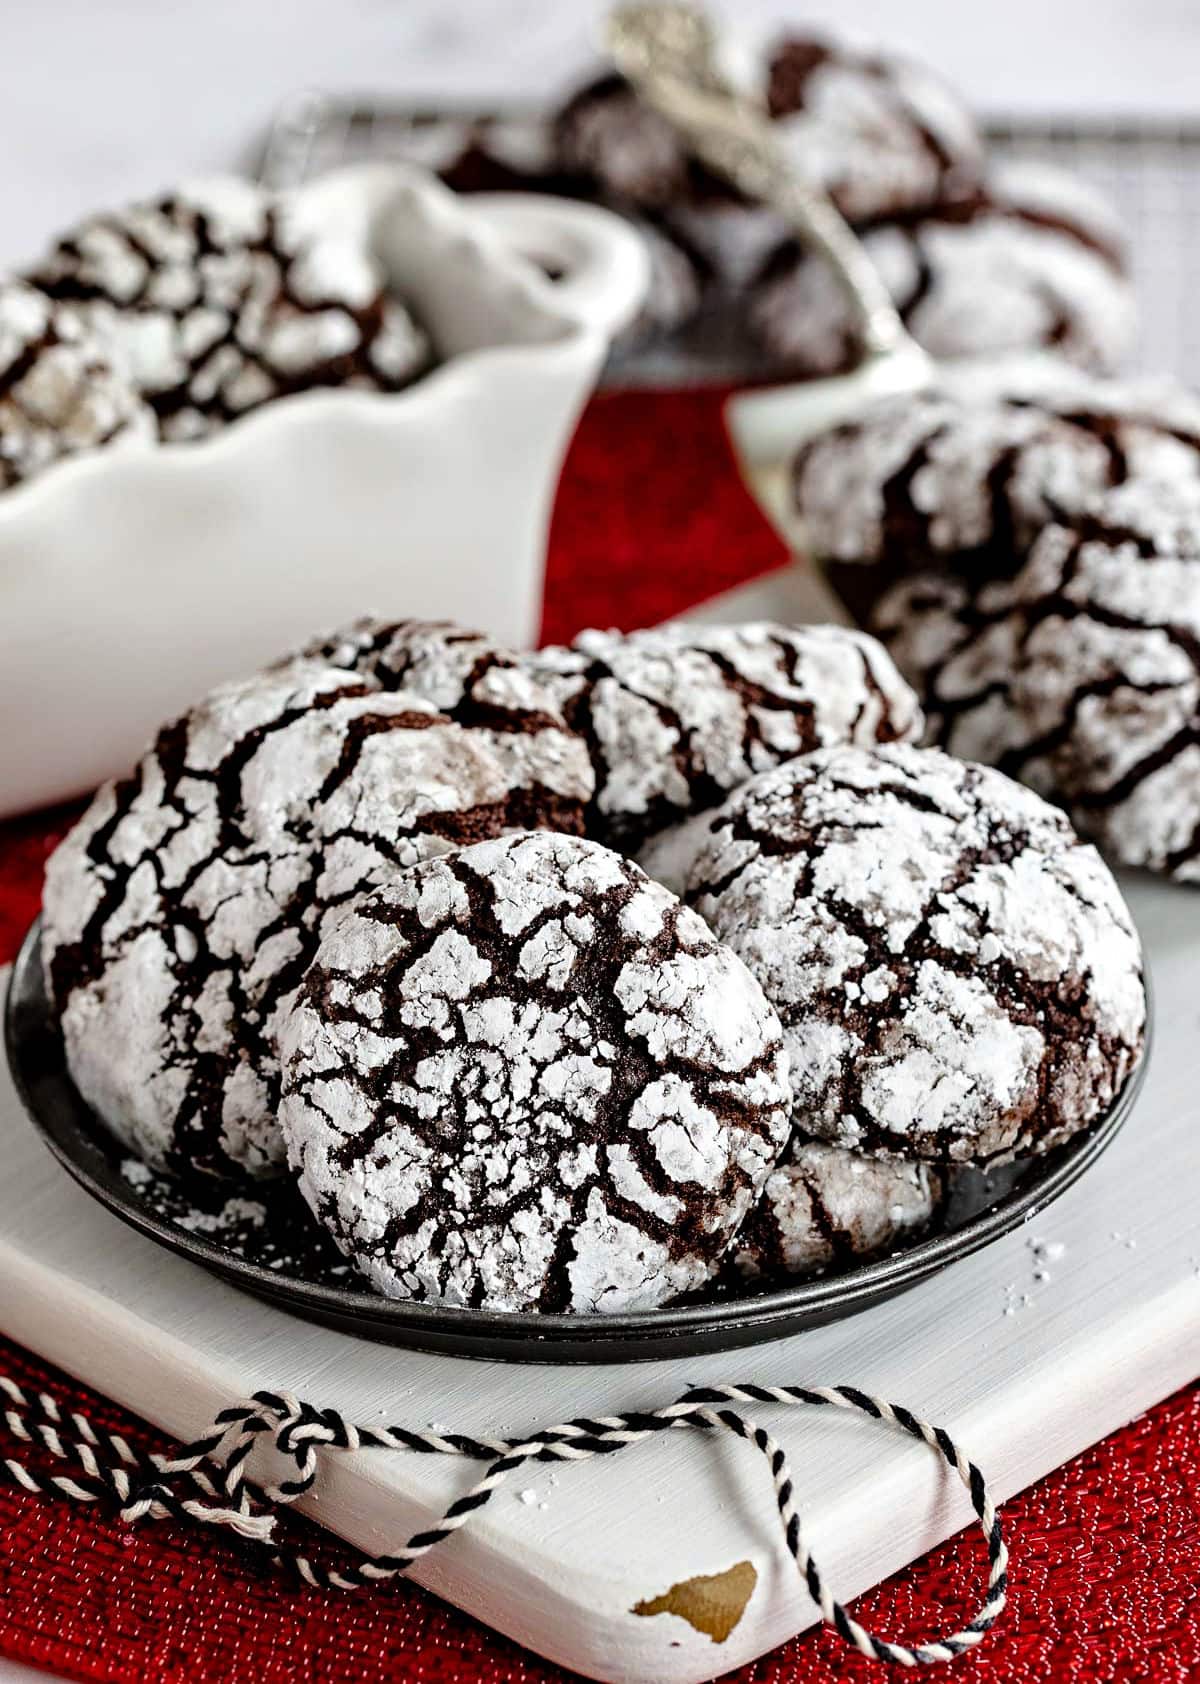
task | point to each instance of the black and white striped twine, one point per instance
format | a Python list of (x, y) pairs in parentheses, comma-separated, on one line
[(206, 1481)]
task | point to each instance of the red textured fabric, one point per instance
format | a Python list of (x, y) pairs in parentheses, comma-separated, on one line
[(1105, 1553)]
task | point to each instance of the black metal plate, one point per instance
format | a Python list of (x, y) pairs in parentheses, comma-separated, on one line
[(733, 1317)]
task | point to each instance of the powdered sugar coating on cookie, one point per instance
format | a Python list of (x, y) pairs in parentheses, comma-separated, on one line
[(826, 1208), (957, 974), (677, 716), (1107, 688), (61, 392), (957, 642), (1026, 264), (524, 1076), (1081, 675), (182, 910), (948, 472), (485, 688), (216, 304), (877, 133)]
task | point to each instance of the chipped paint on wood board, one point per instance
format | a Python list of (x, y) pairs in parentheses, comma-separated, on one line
[(712, 1603)]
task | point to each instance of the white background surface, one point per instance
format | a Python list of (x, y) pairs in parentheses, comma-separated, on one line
[(99, 101)]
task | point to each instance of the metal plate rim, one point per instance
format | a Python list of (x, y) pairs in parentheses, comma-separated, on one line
[(670, 1331)]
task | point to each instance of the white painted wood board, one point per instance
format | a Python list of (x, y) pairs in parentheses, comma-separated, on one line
[(1116, 1328)]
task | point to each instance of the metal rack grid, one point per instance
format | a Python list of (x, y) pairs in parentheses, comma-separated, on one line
[(1150, 174)]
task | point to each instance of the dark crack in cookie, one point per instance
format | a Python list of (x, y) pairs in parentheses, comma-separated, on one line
[(60, 390), (1107, 686), (182, 910), (677, 716), (1031, 262), (486, 688), (218, 303), (975, 478), (957, 973), (524, 1076), (955, 639), (1081, 676), (824, 1208)]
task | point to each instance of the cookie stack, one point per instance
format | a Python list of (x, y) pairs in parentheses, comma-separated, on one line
[(171, 319), (373, 917), (1033, 562), (980, 259)]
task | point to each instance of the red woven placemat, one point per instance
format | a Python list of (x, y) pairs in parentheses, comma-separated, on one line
[(1106, 1552)]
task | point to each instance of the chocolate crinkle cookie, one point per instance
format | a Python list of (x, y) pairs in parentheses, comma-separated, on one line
[(956, 972), (1081, 675), (61, 389), (525, 1077), (824, 1208), (677, 716), (182, 910), (878, 134), (219, 302), (975, 475), (1031, 261), (487, 688), (522, 153)]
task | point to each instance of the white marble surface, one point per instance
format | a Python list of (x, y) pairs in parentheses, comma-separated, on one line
[(98, 102)]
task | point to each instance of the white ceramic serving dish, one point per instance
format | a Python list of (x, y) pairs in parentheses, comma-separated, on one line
[(130, 582)]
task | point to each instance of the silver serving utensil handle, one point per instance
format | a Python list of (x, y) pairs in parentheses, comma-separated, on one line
[(669, 52)]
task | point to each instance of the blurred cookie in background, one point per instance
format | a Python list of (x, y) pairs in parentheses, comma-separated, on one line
[(61, 390), (1033, 261)]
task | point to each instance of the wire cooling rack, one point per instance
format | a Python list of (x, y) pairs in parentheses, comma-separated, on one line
[(1150, 174)]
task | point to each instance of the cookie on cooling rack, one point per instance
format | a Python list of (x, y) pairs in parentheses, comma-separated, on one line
[(877, 133), (181, 911), (217, 303), (956, 972), (1033, 261), (486, 688), (525, 1077), (974, 476), (677, 716), (61, 391), (484, 153), (826, 1208)]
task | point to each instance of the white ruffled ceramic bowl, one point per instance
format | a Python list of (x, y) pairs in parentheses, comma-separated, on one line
[(132, 581)]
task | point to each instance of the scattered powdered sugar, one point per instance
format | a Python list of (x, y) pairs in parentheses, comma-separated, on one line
[(957, 974), (273, 1230), (524, 1076)]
